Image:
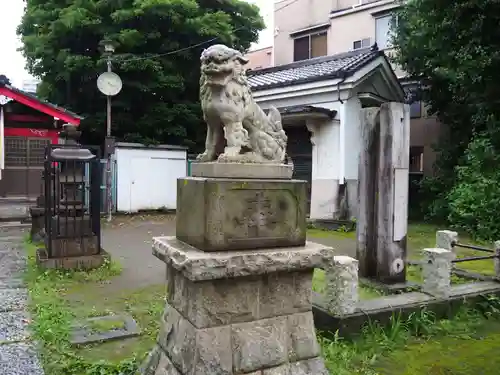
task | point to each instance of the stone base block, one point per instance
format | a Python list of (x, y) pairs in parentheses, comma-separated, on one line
[(72, 247), (215, 214), (71, 263), (242, 170), (71, 226), (284, 345), (238, 312)]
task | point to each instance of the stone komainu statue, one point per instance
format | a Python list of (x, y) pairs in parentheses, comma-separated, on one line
[(238, 129)]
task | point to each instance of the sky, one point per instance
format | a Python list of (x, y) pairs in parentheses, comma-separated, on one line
[(12, 62)]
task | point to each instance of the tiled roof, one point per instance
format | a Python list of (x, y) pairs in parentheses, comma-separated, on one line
[(328, 67)]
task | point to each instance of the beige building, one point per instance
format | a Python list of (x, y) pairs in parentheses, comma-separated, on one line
[(260, 58), (306, 29)]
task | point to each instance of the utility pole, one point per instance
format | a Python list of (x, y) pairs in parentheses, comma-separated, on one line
[(110, 84)]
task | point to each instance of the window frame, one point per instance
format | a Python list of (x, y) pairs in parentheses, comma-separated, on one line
[(361, 43), (388, 44), (309, 37)]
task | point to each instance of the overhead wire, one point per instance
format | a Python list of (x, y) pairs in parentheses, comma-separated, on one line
[(197, 44)]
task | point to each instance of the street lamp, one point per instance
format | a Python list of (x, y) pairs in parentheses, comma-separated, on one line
[(110, 84)]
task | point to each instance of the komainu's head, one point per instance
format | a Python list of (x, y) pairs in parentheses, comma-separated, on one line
[(221, 64)]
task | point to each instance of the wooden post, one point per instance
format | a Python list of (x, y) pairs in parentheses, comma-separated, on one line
[(366, 244), (392, 188), (383, 193)]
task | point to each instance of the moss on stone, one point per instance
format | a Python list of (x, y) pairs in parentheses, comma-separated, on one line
[(446, 356)]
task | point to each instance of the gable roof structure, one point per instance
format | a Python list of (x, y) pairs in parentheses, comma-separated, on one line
[(316, 69), (34, 102)]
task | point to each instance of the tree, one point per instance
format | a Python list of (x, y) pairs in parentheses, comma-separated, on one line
[(159, 99), (453, 48)]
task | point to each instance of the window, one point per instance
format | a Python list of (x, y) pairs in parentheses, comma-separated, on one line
[(413, 96), (363, 43), (416, 159), (416, 109), (383, 32), (310, 46)]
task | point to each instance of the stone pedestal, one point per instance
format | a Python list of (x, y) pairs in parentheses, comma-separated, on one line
[(341, 293), (237, 312), (216, 214), (436, 272)]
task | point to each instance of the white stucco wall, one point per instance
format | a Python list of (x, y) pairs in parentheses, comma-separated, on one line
[(350, 119), (147, 178)]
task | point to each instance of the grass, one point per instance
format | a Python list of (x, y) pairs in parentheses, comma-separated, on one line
[(100, 326), (421, 345), (58, 300), (421, 236)]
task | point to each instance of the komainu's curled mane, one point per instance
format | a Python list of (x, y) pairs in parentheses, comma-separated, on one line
[(237, 128)]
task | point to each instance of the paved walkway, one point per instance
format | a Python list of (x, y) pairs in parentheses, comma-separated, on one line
[(129, 240), (17, 353)]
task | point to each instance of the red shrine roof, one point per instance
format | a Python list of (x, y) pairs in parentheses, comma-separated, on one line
[(32, 101)]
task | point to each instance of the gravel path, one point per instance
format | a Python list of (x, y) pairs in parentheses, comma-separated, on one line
[(17, 353)]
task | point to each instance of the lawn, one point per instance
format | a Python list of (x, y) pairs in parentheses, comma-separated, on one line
[(58, 300), (421, 236)]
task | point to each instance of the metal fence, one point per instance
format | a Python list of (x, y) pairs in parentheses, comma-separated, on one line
[(70, 173), (473, 247)]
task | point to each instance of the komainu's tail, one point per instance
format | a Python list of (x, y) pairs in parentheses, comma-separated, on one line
[(274, 117)]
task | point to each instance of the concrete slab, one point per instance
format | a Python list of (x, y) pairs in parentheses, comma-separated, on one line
[(242, 170), (82, 333)]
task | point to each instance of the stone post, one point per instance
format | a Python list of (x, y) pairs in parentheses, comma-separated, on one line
[(436, 271), (383, 183), (239, 275), (497, 260), (445, 239), (341, 293)]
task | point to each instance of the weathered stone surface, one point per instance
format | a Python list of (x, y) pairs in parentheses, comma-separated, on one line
[(341, 292), (177, 338), (71, 247), (165, 366), (302, 343), (445, 239), (242, 170), (285, 293), (71, 263), (436, 272), (259, 344), (213, 351), (240, 214), (197, 265), (219, 302)]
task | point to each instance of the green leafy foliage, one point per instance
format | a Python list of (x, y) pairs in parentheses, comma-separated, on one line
[(159, 100), (453, 48)]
